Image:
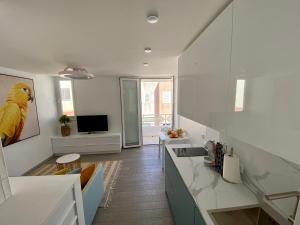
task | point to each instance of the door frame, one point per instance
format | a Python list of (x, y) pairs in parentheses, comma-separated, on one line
[(139, 80), (139, 112), (172, 78)]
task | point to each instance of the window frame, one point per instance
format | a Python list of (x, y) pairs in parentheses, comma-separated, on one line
[(59, 97)]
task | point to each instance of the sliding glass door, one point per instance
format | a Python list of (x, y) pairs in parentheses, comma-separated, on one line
[(131, 112), (157, 108)]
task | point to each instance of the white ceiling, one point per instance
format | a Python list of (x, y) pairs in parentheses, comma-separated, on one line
[(106, 37)]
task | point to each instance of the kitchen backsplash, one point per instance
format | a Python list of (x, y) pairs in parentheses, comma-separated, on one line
[(263, 172), (266, 173), (198, 133)]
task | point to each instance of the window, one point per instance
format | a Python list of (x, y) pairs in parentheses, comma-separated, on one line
[(239, 96), (166, 97), (66, 96)]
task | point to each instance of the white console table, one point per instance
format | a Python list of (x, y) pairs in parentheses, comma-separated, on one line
[(87, 144), (43, 200)]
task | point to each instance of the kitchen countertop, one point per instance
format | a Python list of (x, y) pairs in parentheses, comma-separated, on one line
[(207, 187)]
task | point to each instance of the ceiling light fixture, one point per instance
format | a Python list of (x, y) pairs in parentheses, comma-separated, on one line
[(147, 50), (152, 19), (76, 73), (146, 64)]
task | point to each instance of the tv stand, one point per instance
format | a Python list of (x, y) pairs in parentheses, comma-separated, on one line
[(94, 143)]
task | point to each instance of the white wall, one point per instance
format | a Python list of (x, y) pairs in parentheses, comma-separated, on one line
[(100, 95), (22, 156)]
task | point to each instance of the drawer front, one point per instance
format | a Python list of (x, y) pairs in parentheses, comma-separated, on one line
[(75, 222), (87, 149), (100, 148), (64, 208), (170, 194), (170, 167), (66, 142), (63, 142), (184, 202), (181, 202), (169, 186), (70, 217)]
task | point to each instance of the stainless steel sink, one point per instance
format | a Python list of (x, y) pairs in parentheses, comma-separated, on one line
[(256, 215), (189, 152)]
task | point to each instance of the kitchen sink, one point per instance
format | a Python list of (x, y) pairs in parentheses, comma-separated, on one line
[(189, 152), (257, 215)]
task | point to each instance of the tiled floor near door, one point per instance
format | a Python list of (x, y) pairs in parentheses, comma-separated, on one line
[(139, 197)]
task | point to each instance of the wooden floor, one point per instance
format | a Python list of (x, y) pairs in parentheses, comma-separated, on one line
[(139, 197)]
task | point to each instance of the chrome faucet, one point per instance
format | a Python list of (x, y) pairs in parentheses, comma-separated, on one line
[(291, 194)]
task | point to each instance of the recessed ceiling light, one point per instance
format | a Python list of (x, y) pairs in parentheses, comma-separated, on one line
[(152, 19), (148, 50), (146, 64)]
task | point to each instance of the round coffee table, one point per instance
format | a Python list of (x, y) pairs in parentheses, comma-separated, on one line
[(70, 161)]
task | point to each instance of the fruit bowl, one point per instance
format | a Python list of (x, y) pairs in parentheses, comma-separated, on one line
[(173, 134)]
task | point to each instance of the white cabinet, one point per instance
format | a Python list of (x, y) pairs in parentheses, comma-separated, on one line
[(265, 38), (87, 144), (44, 200), (204, 73), (256, 41), (266, 53)]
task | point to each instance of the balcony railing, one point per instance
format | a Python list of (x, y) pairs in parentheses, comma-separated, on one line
[(157, 120)]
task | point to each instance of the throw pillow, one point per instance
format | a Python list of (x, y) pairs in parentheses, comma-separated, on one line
[(86, 174), (62, 171), (75, 171)]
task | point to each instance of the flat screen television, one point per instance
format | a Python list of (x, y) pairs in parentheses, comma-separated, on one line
[(92, 123)]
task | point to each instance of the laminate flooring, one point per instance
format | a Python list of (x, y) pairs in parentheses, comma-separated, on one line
[(139, 197)]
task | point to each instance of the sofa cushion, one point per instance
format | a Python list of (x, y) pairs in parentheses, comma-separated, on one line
[(92, 194), (86, 174)]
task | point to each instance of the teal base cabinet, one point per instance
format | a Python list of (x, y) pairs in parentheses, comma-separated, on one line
[(198, 218), (182, 205)]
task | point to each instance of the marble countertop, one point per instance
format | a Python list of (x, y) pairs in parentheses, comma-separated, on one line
[(209, 190)]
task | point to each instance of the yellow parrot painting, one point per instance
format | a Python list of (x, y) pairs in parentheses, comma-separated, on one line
[(13, 113)]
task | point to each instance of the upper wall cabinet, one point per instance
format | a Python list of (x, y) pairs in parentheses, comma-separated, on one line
[(266, 54), (242, 75), (204, 74)]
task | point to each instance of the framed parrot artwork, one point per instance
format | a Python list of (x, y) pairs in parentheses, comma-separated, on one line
[(18, 112)]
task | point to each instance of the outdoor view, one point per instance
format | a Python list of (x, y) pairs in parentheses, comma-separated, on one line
[(66, 97), (157, 99)]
